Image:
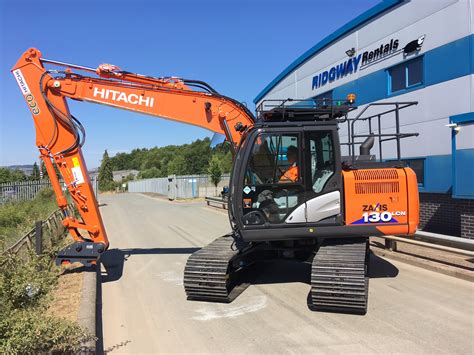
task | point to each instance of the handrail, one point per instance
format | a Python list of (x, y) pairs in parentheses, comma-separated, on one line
[(391, 136), (429, 245)]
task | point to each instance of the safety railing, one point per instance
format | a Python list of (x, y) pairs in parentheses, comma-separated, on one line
[(34, 240), (217, 202), (462, 246), (375, 128)]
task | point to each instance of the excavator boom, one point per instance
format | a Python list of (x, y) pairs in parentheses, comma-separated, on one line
[(59, 135)]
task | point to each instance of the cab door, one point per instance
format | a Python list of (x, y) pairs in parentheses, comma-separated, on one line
[(323, 193), (272, 178)]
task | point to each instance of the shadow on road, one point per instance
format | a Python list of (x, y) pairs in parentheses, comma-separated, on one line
[(279, 271), (269, 272), (113, 260), (283, 271), (381, 268)]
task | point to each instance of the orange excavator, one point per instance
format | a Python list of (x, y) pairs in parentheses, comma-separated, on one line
[(292, 194)]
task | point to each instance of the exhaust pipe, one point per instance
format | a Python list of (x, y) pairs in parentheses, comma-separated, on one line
[(367, 145)]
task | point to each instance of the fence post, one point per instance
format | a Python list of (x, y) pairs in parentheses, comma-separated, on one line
[(39, 237), (390, 245)]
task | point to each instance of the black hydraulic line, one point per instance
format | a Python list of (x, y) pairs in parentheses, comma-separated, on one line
[(53, 137), (74, 125), (201, 84)]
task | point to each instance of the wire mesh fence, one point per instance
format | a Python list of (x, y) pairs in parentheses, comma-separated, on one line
[(180, 186), (27, 190)]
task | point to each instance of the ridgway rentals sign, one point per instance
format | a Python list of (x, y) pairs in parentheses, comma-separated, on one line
[(360, 61)]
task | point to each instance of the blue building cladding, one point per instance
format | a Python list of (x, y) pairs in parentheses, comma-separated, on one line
[(463, 186), (450, 61), (434, 179), (463, 161)]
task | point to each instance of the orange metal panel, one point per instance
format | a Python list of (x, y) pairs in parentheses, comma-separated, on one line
[(385, 198)]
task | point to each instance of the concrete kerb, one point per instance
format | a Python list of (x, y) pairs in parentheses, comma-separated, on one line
[(87, 311)]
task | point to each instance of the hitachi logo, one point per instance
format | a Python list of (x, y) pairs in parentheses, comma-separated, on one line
[(21, 82), (118, 96)]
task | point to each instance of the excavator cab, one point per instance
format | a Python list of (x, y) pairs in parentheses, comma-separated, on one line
[(284, 170), (288, 173)]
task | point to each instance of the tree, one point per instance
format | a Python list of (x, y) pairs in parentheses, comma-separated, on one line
[(56, 170), (43, 171), (35, 174), (215, 171), (4, 175), (149, 173), (178, 166), (106, 176), (9, 175)]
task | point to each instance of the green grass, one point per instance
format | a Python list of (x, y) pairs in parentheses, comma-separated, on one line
[(18, 218)]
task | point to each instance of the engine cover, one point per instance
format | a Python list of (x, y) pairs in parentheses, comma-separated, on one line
[(386, 198)]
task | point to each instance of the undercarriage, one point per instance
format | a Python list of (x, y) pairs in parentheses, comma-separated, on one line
[(339, 273)]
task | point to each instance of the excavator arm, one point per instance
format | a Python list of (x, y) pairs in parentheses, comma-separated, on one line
[(60, 136)]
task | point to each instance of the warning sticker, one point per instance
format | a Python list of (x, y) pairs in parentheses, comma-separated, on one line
[(247, 203), (75, 161), (77, 173)]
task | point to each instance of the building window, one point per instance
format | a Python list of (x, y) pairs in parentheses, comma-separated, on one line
[(406, 75), (418, 166)]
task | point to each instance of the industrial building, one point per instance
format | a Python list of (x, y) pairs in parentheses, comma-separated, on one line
[(403, 51)]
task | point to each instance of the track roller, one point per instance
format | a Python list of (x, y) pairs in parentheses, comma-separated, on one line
[(339, 276), (210, 273)]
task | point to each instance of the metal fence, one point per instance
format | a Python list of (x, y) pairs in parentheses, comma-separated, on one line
[(180, 187), (27, 190), (45, 235)]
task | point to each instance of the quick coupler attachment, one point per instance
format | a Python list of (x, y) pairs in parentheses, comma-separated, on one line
[(86, 253)]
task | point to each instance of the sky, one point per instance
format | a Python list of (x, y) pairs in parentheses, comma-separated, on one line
[(236, 46)]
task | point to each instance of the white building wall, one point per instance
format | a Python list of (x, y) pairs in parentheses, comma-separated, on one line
[(442, 21)]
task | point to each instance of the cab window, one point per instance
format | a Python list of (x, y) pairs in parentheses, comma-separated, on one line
[(322, 159), (273, 182), (275, 159)]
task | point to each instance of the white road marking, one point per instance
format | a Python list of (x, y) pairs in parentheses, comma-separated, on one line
[(172, 277), (216, 311)]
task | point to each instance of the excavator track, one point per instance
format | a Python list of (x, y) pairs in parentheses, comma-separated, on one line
[(339, 276), (210, 273)]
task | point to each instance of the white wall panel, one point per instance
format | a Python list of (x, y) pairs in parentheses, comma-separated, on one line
[(442, 21)]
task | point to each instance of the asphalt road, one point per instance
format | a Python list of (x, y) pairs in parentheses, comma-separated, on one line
[(144, 308)]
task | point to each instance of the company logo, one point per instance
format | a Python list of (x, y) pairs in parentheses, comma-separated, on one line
[(336, 72), (378, 207), (119, 96), (413, 46), (30, 100), (21, 82), (378, 213), (360, 61), (377, 54)]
